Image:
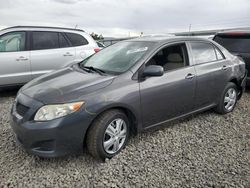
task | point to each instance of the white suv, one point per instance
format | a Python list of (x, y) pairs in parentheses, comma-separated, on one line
[(27, 52)]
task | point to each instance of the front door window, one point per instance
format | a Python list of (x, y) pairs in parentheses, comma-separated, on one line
[(12, 42)]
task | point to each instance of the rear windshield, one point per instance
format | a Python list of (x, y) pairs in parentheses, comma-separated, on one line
[(234, 43)]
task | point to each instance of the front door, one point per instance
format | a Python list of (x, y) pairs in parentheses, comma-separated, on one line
[(171, 95), (14, 59)]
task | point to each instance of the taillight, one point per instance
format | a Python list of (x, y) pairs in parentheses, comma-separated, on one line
[(97, 50)]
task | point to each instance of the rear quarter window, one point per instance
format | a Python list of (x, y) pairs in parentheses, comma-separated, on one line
[(234, 43), (76, 39)]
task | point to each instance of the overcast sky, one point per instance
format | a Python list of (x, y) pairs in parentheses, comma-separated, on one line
[(123, 17)]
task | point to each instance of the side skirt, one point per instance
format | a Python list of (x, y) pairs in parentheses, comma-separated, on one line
[(181, 116)]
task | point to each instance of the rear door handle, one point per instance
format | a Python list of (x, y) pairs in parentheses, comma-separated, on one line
[(21, 58), (67, 54), (224, 67), (190, 76)]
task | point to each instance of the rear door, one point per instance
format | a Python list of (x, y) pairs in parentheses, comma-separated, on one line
[(50, 51), (212, 72), (14, 58)]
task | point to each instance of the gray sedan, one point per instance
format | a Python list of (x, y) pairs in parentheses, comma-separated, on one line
[(128, 87)]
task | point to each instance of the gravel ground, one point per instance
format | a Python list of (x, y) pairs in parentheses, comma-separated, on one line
[(207, 150)]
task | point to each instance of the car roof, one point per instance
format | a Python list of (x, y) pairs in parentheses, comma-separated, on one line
[(42, 27), (234, 32), (165, 39)]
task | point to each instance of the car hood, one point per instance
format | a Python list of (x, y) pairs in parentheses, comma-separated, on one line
[(65, 85)]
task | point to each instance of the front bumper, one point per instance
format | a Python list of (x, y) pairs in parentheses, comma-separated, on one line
[(53, 138)]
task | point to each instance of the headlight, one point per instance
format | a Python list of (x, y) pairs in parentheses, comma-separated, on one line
[(54, 111)]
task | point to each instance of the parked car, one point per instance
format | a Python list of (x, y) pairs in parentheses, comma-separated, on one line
[(238, 43), (130, 86), (29, 52)]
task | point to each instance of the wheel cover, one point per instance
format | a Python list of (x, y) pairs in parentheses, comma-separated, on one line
[(115, 136), (230, 99)]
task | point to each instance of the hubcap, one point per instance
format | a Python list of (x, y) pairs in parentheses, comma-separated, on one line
[(115, 136), (230, 99)]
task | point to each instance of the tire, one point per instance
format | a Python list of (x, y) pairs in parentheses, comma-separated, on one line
[(223, 106), (99, 134)]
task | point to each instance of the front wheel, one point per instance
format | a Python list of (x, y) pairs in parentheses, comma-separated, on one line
[(108, 134), (228, 99)]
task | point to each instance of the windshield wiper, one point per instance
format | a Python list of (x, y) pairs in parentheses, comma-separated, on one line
[(88, 69)]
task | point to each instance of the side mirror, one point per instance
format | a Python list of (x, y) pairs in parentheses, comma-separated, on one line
[(153, 70)]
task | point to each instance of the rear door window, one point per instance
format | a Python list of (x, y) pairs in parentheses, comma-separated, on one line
[(45, 40), (234, 43), (12, 42), (203, 52), (76, 39)]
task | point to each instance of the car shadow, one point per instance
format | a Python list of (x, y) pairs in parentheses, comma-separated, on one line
[(247, 89), (9, 92)]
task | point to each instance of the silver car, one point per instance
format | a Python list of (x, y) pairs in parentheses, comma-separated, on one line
[(27, 52)]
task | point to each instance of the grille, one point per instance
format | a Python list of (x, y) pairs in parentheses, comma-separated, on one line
[(21, 109)]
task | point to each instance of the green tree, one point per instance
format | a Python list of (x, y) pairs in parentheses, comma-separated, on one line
[(96, 36)]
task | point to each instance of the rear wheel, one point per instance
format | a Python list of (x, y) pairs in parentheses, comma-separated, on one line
[(108, 134), (228, 99)]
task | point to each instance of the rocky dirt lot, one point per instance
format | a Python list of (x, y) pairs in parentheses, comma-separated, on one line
[(206, 150)]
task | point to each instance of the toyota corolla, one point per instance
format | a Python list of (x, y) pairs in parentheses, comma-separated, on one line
[(128, 87)]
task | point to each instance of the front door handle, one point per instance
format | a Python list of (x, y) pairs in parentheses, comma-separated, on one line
[(224, 67), (22, 58), (190, 76), (67, 54)]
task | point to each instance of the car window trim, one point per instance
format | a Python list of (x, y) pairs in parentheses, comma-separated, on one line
[(26, 40), (65, 39), (223, 57)]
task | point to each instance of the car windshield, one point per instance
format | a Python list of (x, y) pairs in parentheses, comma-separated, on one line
[(119, 57), (234, 43)]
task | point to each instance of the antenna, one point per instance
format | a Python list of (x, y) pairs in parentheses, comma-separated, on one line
[(189, 29)]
